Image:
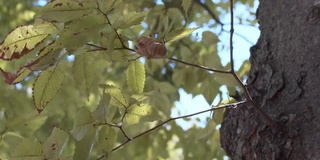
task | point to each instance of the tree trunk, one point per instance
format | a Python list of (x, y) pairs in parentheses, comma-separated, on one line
[(285, 83)]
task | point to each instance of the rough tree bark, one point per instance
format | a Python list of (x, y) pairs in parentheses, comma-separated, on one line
[(285, 82)]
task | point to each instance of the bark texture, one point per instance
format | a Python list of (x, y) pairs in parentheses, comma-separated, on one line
[(285, 83)]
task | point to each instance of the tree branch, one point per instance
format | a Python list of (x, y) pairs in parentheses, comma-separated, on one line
[(241, 36), (175, 118), (115, 30), (99, 48), (231, 37), (169, 120), (199, 66)]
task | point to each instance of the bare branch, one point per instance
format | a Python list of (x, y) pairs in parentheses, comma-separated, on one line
[(124, 133), (240, 35), (203, 5), (99, 48), (199, 66), (109, 124), (169, 120), (231, 36), (175, 118)]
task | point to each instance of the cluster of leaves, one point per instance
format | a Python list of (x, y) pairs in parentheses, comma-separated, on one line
[(107, 97), (14, 13)]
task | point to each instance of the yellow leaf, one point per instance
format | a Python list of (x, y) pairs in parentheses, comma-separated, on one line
[(46, 86), (20, 42), (136, 76)]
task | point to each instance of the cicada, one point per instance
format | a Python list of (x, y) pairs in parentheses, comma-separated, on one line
[(147, 46)]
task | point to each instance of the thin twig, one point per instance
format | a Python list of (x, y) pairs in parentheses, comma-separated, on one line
[(134, 58), (203, 5), (231, 37), (231, 55), (240, 35), (199, 66), (99, 48), (115, 30), (175, 118), (109, 124), (124, 133)]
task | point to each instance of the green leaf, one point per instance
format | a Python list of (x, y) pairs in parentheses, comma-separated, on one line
[(178, 77), (81, 31), (244, 69), (45, 27), (34, 123), (218, 115), (63, 11), (46, 86), (162, 103), (138, 99), (82, 124), (84, 146), (136, 112), (165, 87), (107, 40), (186, 5), (20, 42), (209, 38), (83, 70), (28, 149), (22, 74), (209, 89), (117, 116), (118, 98), (190, 80), (129, 19), (136, 76), (8, 77), (110, 43), (178, 34), (11, 78), (102, 110), (106, 111), (9, 142), (106, 139), (47, 57), (54, 145), (210, 58), (3, 122), (107, 6), (226, 79)]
